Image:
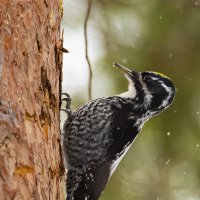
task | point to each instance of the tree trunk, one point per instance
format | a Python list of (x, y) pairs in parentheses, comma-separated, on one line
[(30, 85)]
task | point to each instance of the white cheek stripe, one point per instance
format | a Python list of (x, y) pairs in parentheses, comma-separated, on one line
[(148, 95), (166, 101)]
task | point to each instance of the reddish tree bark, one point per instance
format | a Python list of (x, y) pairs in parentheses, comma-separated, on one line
[(30, 85)]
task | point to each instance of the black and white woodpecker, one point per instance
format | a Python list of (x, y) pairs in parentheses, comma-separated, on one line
[(97, 135)]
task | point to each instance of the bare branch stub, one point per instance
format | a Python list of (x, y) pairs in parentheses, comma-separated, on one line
[(86, 49)]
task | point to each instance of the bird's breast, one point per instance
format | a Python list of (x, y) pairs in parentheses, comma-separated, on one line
[(118, 158)]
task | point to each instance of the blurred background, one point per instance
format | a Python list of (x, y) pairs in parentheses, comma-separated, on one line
[(164, 161)]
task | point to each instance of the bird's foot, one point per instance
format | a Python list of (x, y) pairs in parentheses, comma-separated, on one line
[(68, 100)]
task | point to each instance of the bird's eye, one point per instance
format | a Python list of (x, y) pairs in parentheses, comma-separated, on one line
[(147, 78)]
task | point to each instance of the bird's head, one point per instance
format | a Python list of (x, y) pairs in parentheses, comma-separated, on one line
[(151, 90)]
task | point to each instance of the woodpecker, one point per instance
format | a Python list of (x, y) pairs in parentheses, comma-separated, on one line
[(97, 135)]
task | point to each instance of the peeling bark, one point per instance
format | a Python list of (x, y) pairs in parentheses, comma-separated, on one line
[(30, 85)]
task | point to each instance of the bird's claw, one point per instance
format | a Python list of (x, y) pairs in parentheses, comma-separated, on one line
[(68, 100)]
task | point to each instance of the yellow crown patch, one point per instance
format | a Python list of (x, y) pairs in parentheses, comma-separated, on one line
[(158, 73)]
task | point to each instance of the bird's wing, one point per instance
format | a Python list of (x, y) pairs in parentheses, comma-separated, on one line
[(87, 138), (98, 133)]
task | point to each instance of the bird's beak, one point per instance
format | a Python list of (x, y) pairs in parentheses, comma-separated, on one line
[(125, 70)]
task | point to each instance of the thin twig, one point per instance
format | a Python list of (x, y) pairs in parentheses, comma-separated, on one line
[(86, 49)]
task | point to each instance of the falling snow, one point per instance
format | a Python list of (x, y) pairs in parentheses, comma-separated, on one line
[(167, 162), (168, 133), (138, 35), (197, 147)]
